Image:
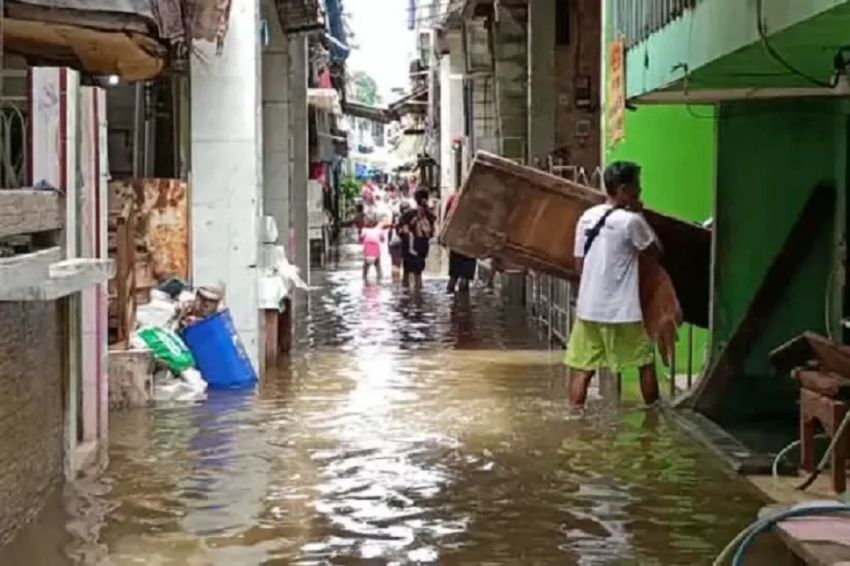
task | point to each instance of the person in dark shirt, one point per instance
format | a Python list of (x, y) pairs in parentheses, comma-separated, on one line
[(461, 267), (416, 227)]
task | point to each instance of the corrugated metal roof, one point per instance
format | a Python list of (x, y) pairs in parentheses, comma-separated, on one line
[(300, 15)]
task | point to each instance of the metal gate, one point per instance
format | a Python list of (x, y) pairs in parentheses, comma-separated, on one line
[(550, 303)]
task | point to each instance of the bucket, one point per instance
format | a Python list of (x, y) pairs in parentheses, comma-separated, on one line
[(219, 353)]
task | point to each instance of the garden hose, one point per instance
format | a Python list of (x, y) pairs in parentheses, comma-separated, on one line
[(743, 540)]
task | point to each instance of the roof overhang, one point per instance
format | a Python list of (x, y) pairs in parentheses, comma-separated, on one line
[(717, 95)]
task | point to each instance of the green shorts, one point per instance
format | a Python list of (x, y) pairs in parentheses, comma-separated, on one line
[(617, 346)]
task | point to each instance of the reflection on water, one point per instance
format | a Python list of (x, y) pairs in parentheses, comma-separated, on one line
[(408, 429)]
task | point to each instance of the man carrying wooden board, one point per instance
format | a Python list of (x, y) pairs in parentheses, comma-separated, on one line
[(609, 330)]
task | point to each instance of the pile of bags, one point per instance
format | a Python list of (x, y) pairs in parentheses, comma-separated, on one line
[(172, 306)]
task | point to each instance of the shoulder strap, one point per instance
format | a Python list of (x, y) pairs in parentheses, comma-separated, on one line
[(593, 232)]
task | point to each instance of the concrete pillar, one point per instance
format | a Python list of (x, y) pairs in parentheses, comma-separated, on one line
[(275, 64), (541, 78), (226, 176), (298, 142)]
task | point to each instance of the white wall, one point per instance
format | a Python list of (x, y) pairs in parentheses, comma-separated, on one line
[(226, 177), (451, 109)]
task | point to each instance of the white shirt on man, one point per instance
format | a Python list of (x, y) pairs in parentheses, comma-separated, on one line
[(609, 291)]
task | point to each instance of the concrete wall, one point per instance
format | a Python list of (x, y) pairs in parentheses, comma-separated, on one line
[(542, 96), (757, 202), (226, 176), (275, 64), (31, 410)]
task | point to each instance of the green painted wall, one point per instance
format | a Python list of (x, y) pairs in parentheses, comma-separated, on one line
[(675, 146), (769, 157)]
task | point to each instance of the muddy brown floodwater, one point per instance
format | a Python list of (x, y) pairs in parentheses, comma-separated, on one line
[(406, 430)]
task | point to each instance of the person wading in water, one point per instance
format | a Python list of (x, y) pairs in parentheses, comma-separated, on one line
[(609, 331), (461, 267), (416, 228)]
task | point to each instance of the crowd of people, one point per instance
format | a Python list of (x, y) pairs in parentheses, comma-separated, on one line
[(403, 219)]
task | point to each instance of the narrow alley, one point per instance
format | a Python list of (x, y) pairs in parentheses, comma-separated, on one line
[(408, 429), (390, 282)]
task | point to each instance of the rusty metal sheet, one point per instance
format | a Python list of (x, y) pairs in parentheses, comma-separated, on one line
[(526, 216), (163, 220), (162, 226)]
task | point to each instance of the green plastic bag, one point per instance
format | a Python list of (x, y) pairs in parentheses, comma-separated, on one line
[(168, 347)]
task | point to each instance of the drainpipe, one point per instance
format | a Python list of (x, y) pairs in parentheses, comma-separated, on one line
[(137, 127)]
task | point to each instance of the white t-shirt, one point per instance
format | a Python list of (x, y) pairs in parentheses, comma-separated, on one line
[(609, 290)]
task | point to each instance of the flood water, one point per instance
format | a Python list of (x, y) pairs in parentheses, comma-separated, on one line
[(408, 429)]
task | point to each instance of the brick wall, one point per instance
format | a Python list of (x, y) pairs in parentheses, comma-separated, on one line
[(31, 411)]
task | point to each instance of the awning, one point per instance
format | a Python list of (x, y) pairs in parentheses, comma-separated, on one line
[(373, 113), (325, 99), (415, 102), (338, 46), (104, 37)]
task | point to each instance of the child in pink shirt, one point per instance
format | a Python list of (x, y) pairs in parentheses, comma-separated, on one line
[(372, 236)]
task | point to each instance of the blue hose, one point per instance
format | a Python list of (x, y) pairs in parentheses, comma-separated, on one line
[(763, 524)]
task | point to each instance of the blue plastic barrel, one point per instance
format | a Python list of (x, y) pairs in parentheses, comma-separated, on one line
[(219, 353)]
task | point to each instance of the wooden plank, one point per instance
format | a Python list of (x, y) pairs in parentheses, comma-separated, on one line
[(25, 211), (27, 269), (822, 549), (797, 246)]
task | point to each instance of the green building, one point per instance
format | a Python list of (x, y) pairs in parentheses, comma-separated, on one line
[(739, 111)]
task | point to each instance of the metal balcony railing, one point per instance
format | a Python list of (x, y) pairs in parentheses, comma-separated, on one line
[(635, 20), (13, 143)]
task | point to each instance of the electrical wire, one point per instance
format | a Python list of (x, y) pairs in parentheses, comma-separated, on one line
[(781, 60)]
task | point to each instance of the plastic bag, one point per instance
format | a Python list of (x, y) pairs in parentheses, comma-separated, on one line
[(188, 386), (167, 346), (160, 311)]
